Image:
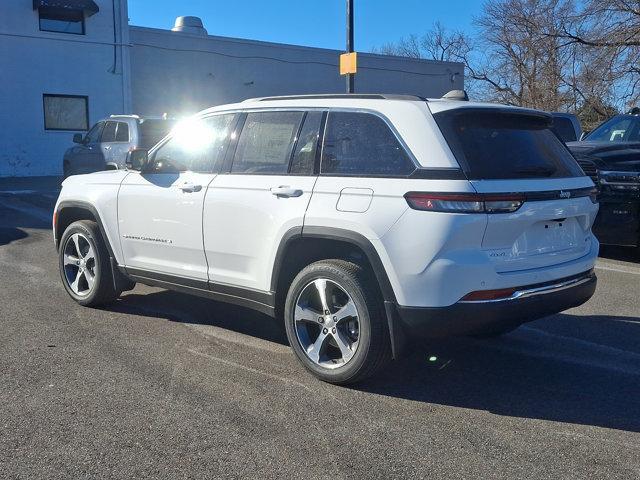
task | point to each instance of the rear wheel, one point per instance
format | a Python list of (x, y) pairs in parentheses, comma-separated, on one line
[(336, 323), (84, 265)]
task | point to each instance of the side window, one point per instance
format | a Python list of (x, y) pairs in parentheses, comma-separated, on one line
[(362, 144), (196, 145), (109, 132), (266, 141), (93, 135), (122, 134), (304, 156)]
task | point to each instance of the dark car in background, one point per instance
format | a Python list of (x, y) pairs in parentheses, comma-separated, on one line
[(610, 155), (566, 126), (107, 143)]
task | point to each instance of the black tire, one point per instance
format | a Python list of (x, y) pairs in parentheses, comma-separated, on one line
[(102, 290), (374, 348)]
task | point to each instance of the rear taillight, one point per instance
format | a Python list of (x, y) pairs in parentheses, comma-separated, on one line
[(465, 202)]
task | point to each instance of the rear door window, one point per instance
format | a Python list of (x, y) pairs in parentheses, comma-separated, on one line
[(493, 145), (358, 143), (266, 142), (109, 132)]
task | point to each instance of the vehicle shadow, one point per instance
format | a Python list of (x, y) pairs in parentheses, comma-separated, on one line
[(183, 308), (25, 211), (531, 373), (11, 234), (536, 372)]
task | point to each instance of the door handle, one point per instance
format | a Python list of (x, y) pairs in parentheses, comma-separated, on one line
[(285, 191), (190, 187)]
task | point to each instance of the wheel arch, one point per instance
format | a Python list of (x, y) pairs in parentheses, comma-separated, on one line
[(301, 246), (70, 211)]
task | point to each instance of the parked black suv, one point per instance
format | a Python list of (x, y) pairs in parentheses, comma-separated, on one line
[(610, 155)]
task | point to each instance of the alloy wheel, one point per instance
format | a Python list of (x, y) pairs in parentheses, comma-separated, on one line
[(80, 266), (327, 323)]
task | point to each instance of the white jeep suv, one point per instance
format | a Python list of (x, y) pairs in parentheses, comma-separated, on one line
[(358, 219)]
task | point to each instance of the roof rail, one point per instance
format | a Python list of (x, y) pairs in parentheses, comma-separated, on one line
[(357, 96), (122, 115)]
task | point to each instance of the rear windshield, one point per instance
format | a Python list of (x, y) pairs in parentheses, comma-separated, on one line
[(501, 145), (152, 131)]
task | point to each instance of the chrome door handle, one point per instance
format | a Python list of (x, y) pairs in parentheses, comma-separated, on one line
[(285, 191), (190, 187)]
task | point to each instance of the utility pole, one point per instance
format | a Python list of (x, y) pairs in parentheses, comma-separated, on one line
[(350, 76)]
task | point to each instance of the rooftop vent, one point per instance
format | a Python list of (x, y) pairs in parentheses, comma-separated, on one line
[(191, 25), (459, 95)]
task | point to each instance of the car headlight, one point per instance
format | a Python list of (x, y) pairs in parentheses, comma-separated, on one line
[(620, 181)]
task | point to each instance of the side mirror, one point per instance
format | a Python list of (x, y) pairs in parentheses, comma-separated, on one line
[(137, 159), (77, 138)]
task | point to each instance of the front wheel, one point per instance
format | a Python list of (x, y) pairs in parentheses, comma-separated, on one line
[(84, 265), (335, 322)]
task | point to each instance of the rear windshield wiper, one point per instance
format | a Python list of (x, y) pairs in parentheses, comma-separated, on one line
[(537, 170)]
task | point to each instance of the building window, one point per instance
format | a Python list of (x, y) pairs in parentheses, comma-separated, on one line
[(66, 112), (63, 21)]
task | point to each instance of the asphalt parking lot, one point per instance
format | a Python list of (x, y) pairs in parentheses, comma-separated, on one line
[(161, 384)]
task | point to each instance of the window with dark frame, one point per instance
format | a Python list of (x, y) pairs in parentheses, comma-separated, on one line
[(66, 112), (196, 145), (359, 143), (266, 142), (61, 20)]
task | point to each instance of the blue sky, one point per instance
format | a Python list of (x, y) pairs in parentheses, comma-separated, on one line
[(318, 23)]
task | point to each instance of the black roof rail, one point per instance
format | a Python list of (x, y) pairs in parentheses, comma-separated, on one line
[(363, 96)]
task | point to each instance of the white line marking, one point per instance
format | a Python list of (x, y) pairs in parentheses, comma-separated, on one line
[(250, 369), (629, 270)]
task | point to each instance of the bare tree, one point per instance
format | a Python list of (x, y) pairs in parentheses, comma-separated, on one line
[(437, 43), (608, 31), (547, 54)]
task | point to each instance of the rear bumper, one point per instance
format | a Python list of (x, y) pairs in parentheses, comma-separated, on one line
[(529, 303)]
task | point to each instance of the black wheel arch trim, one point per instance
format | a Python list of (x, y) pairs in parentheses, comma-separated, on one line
[(91, 209), (339, 234)]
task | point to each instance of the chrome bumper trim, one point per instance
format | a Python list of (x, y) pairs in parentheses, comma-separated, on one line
[(533, 292)]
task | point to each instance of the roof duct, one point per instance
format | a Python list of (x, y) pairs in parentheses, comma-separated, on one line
[(191, 25)]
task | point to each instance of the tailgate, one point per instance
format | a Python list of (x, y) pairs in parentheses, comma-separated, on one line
[(552, 226)]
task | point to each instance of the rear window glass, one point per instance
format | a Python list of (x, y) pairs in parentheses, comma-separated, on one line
[(151, 132), (491, 145)]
